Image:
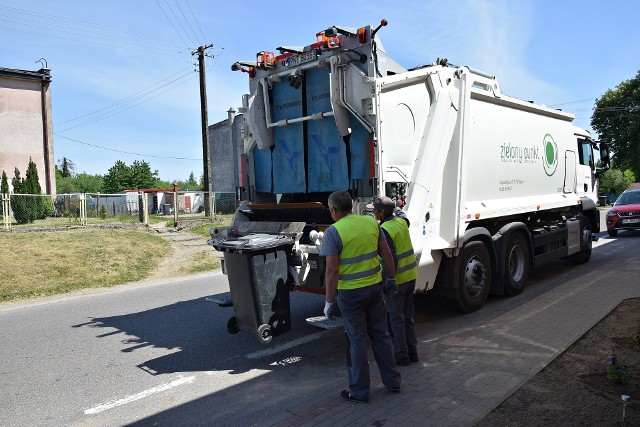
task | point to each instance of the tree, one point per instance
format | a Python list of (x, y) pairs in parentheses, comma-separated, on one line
[(27, 201), (4, 186), (66, 168), (141, 175), (122, 177), (617, 120), (191, 182), (79, 183), (616, 181), (117, 178)]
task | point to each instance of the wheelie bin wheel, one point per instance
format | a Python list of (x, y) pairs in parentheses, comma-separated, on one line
[(232, 326), (264, 334)]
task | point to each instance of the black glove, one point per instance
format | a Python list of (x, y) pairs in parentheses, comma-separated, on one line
[(390, 287)]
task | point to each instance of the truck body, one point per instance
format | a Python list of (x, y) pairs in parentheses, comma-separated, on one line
[(492, 185)]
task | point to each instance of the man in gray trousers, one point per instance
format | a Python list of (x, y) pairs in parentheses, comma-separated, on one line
[(352, 247)]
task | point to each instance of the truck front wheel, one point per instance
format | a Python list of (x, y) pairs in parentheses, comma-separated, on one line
[(473, 276), (584, 254), (516, 268)]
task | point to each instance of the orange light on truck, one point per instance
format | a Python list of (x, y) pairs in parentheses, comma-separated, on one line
[(477, 216), (362, 35), (329, 42), (265, 59), (538, 207)]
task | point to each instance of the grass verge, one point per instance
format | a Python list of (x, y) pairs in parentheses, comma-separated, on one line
[(45, 263), (199, 263)]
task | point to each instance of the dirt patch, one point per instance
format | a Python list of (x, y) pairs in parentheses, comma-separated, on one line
[(574, 389), (185, 247)]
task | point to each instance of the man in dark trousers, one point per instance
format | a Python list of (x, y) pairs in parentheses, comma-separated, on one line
[(400, 301), (352, 247)]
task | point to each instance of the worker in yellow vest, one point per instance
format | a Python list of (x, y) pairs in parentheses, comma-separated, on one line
[(352, 247), (399, 297)]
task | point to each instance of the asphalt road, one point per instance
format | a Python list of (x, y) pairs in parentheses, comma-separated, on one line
[(158, 353)]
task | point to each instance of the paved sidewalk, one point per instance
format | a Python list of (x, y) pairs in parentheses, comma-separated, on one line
[(462, 377)]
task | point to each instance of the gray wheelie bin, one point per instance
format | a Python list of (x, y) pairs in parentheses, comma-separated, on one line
[(256, 266)]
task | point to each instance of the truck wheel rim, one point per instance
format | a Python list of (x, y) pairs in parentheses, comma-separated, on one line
[(586, 239), (474, 276), (516, 263)]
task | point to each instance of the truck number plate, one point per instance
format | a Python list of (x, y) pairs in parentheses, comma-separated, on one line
[(631, 221), (304, 57)]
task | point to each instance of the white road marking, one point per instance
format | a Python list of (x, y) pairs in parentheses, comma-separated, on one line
[(277, 349), (132, 398)]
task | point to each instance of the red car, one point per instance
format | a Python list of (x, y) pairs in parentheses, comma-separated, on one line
[(625, 213)]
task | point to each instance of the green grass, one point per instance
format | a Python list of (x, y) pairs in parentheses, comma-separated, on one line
[(37, 264), (200, 262)]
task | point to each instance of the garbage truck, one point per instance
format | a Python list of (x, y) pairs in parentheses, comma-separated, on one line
[(492, 185)]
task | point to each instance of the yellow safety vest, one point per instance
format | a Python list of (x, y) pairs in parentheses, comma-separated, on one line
[(407, 268), (359, 259)]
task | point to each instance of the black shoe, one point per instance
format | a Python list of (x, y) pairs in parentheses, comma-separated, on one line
[(394, 389), (403, 362), (414, 358), (346, 395)]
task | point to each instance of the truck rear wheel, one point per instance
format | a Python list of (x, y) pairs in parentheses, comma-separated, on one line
[(583, 256), (473, 276), (516, 268)]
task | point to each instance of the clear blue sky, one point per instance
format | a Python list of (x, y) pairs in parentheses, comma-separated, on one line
[(123, 73)]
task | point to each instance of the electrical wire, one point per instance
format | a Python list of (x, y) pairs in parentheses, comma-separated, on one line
[(129, 98), (196, 21), (186, 20), (125, 152), (173, 26), (81, 31), (104, 116)]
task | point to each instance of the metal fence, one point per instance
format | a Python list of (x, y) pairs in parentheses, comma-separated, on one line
[(140, 207)]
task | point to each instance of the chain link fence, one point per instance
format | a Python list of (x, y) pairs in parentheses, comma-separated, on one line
[(130, 207)]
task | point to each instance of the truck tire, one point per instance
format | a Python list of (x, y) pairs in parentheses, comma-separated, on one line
[(584, 254), (473, 276), (232, 326), (516, 264)]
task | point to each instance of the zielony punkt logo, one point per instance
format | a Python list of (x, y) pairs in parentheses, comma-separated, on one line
[(550, 155)]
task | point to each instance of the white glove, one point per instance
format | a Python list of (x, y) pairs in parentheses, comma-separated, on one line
[(328, 309)]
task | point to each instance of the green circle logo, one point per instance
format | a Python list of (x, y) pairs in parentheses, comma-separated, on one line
[(550, 158)]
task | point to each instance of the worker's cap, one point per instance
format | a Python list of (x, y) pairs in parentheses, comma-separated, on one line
[(383, 203)]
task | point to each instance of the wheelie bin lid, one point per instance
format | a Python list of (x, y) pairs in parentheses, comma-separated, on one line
[(253, 242)]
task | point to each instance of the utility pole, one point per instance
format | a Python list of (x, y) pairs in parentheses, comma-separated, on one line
[(206, 152)]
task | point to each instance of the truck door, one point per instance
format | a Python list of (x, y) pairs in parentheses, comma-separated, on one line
[(585, 172)]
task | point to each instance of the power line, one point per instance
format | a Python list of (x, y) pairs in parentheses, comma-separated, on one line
[(132, 97), (173, 26), (83, 29), (579, 101), (186, 20), (179, 23), (155, 37), (122, 151), (136, 104), (196, 21)]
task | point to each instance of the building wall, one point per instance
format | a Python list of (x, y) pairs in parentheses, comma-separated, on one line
[(226, 145), (26, 129)]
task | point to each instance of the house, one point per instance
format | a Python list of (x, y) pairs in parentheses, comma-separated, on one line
[(162, 201), (26, 129)]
